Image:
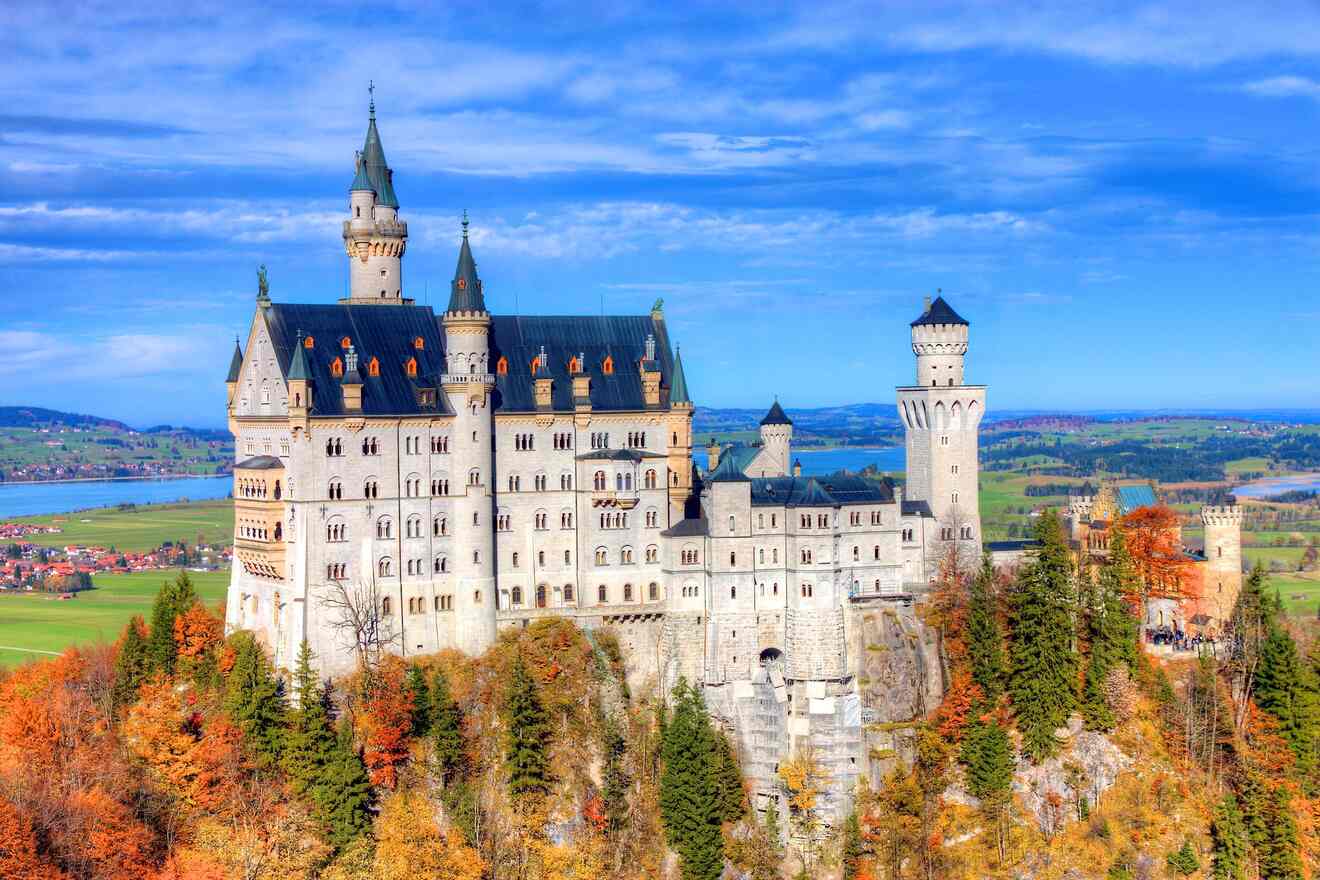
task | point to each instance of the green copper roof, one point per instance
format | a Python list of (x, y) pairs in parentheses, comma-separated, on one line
[(1132, 497), (298, 365), (465, 290), (729, 471), (377, 169), (678, 392), (360, 180), (235, 363)]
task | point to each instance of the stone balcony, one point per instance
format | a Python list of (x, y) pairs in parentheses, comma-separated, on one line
[(467, 379)]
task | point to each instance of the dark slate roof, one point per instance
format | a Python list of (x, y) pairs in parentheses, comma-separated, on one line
[(633, 455), (678, 393), (728, 471), (383, 332), (776, 416), (688, 528), (1011, 546), (1132, 497), (917, 508), (465, 290), (831, 490), (261, 463), (939, 312), (622, 337), (235, 363), (387, 333)]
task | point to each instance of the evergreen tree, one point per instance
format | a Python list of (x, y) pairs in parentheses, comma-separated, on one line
[(1183, 862), (614, 790), (852, 847), (174, 598), (1111, 632), (771, 826), (985, 643), (1285, 689), (1254, 797), (446, 725), (988, 754), (130, 665), (309, 741), (1278, 858), (524, 753), (1044, 666), (254, 698), (689, 796), (1229, 834), (728, 779), (421, 700), (343, 797)]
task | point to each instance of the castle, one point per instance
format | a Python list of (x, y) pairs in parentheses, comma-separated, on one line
[(429, 479)]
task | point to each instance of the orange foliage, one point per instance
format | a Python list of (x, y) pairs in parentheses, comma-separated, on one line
[(1266, 749), (188, 865), (18, 848), (1152, 539), (388, 723), (196, 631), (594, 812), (108, 836), (954, 712)]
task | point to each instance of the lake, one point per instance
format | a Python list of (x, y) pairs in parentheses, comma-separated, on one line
[(29, 499), (826, 461), (1275, 485)]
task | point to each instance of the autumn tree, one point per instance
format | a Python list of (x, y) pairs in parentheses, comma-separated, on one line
[(1042, 678), (525, 737), (19, 856), (197, 633), (174, 598), (852, 849), (804, 778), (1286, 689), (1152, 539), (410, 845), (254, 698), (389, 721), (614, 779), (131, 664)]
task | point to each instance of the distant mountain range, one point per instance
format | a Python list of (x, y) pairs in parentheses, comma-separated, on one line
[(40, 417)]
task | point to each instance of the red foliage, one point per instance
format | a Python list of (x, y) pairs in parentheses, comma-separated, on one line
[(107, 836), (954, 712), (197, 631), (19, 859), (388, 723), (1152, 536), (188, 865), (594, 812)]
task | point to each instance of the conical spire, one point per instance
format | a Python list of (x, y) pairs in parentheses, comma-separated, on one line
[(361, 183), (678, 392), (776, 416), (298, 368), (465, 293), (235, 363), (372, 162)]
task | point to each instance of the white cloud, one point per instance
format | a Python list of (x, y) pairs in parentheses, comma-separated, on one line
[(67, 356), (1284, 87)]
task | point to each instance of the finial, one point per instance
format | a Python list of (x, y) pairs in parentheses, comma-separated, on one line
[(465, 224), (371, 90)]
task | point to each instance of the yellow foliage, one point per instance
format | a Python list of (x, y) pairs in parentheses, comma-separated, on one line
[(804, 778), (410, 844)]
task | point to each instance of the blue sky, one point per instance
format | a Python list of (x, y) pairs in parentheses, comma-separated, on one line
[(1123, 200)]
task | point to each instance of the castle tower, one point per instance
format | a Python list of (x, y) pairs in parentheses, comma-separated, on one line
[(1223, 568), (680, 446), (776, 438), (374, 237), (942, 417), (468, 384)]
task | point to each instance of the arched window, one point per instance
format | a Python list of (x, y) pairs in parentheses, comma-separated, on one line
[(336, 368), (650, 479), (383, 527), (502, 366), (373, 367), (385, 568), (598, 481), (574, 366), (517, 596), (733, 592), (653, 591), (602, 594), (568, 592), (627, 593), (419, 343), (309, 343), (441, 565), (411, 367), (385, 602), (540, 595), (608, 366)]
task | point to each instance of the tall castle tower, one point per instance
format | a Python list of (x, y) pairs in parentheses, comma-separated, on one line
[(942, 417), (374, 237), (468, 383), (1223, 553), (776, 440)]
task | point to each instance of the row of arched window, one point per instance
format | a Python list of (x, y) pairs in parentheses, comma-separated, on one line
[(261, 532), (417, 604), (626, 555), (249, 488)]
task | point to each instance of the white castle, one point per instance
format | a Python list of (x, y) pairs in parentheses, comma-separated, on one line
[(465, 472)]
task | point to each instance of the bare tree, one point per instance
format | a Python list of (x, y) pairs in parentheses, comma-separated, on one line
[(357, 614)]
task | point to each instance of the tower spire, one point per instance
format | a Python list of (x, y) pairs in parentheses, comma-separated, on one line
[(371, 103), (465, 293)]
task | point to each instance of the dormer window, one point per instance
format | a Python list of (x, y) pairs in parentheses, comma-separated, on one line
[(411, 367), (336, 367), (345, 343), (419, 343), (574, 366), (309, 343), (373, 367), (502, 366), (608, 366)]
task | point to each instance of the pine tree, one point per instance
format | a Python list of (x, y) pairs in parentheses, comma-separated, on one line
[(852, 847), (421, 700), (174, 598), (1183, 862), (446, 725), (343, 797), (130, 665), (728, 779), (1044, 666), (524, 753), (615, 782), (1285, 689), (1229, 835), (988, 754), (1279, 858), (1111, 632), (689, 797), (985, 643), (254, 698), (309, 740)]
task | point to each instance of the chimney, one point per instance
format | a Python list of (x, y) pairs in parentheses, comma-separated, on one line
[(712, 455)]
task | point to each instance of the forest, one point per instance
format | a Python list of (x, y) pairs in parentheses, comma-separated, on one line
[(179, 752)]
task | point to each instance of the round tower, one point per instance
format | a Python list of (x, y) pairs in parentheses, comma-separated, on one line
[(374, 237), (468, 385), (776, 440), (1223, 560), (939, 340)]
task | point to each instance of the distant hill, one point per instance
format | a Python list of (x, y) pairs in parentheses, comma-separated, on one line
[(38, 417)]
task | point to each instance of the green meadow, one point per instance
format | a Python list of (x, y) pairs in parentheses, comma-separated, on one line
[(35, 625), (140, 528)]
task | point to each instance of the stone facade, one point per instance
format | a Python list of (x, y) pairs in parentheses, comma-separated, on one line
[(453, 474)]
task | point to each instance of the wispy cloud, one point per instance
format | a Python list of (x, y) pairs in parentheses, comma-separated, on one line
[(1284, 87)]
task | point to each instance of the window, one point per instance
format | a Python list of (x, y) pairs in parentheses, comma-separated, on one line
[(385, 604), (602, 594), (540, 595), (602, 556), (515, 483), (385, 568), (627, 593), (541, 520), (370, 446), (806, 591), (516, 595), (336, 571), (383, 527), (336, 531), (598, 481), (857, 553), (474, 477), (733, 592), (652, 519), (439, 487), (439, 445), (540, 557), (540, 482), (336, 368), (414, 527), (653, 591), (334, 447), (608, 366), (566, 520), (625, 556), (440, 526), (373, 365), (370, 489), (336, 490), (565, 481), (652, 553), (476, 597), (419, 343), (568, 557), (689, 556), (733, 560), (440, 565), (411, 367), (568, 592), (806, 554), (877, 552), (502, 366)]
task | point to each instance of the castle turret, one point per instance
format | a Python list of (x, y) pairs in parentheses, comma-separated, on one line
[(468, 383), (1223, 568), (776, 439), (300, 387), (942, 417), (680, 439), (374, 237)]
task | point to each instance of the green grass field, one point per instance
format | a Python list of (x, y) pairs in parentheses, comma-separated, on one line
[(143, 528), (1300, 592), (36, 625)]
